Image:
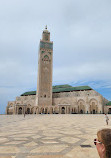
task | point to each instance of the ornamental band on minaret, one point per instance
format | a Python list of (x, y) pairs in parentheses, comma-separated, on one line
[(44, 79)]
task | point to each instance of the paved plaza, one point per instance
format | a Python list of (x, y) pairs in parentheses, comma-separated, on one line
[(50, 136)]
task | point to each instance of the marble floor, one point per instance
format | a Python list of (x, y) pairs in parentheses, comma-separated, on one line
[(50, 136)]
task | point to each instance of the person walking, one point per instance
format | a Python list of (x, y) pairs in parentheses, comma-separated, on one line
[(107, 119)]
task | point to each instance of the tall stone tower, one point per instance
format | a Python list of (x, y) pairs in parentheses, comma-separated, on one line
[(44, 80)]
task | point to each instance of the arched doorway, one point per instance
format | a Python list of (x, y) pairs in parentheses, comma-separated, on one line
[(63, 110), (45, 110), (81, 111), (94, 111), (109, 111), (28, 110), (93, 106), (20, 110), (81, 106)]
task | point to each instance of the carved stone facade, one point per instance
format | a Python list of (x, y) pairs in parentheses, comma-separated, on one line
[(82, 102), (68, 100)]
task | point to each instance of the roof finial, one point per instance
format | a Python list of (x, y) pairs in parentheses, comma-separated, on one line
[(46, 27)]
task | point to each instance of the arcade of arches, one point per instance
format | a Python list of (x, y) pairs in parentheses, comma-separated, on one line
[(79, 107)]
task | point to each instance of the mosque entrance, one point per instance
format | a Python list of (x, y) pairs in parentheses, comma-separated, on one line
[(94, 111), (46, 111), (109, 111), (63, 110), (43, 111), (20, 111), (28, 110), (81, 111)]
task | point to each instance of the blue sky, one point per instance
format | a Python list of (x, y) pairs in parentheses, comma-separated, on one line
[(80, 31)]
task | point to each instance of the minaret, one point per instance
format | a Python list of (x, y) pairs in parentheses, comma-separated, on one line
[(44, 80)]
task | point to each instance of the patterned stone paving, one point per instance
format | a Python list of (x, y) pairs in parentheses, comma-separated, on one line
[(49, 136)]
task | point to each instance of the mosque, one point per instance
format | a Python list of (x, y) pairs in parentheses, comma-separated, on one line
[(60, 99)]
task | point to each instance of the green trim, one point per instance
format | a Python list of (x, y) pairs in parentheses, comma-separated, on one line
[(69, 89), (29, 93), (46, 45), (109, 103), (61, 88)]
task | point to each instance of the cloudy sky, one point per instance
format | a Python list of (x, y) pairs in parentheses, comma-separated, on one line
[(80, 31)]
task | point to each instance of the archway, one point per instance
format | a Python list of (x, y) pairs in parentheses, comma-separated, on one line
[(81, 106), (109, 111), (45, 110), (20, 110), (63, 110), (81, 111), (93, 106), (28, 110)]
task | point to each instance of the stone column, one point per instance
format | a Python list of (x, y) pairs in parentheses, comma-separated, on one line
[(100, 108), (59, 110), (34, 110), (22, 109), (87, 106), (66, 109), (14, 110), (17, 110)]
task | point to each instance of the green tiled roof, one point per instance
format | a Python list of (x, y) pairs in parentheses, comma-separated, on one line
[(29, 93), (61, 88), (68, 89), (109, 103)]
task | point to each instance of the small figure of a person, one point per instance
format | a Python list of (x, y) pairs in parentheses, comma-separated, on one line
[(107, 119), (103, 143)]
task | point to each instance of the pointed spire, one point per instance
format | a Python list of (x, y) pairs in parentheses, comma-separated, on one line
[(46, 27)]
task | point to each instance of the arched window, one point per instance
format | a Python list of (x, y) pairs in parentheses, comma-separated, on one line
[(45, 59)]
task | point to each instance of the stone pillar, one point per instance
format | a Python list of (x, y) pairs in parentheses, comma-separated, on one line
[(37, 112), (87, 109), (34, 110), (14, 110), (59, 110), (100, 108), (66, 110), (87, 106), (22, 109), (17, 110)]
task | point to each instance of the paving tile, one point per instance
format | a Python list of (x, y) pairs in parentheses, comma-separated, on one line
[(31, 144), (79, 152), (49, 136), (49, 148), (69, 140), (8, 149)]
